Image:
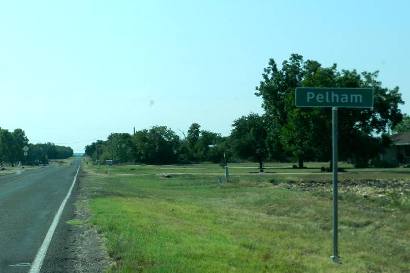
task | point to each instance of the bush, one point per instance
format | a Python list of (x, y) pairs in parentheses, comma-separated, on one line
[(378, 163), (274, 181), (328, 170), (361, 164)]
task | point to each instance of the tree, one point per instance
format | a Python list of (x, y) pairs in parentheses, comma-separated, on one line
[(12, 144), (121, 147), (297, 135), (194, 132), (403, 126), (201, 145), (19, 142), (305, 133), (163, 145), (206, 146), (192, 139), (90, 150), (248, 138), (141, 141), (7, 150), (219, 150), (158, 145), (41, 153), (37, 154)]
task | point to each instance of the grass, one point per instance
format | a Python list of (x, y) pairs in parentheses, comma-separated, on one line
[(189, 222), (75, 222)]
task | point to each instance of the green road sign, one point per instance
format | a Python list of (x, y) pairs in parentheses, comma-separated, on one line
[(334, 97)]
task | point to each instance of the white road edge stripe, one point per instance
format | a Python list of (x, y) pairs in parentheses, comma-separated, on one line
[(41, 254)]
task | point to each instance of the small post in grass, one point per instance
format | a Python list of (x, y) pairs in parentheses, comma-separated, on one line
[(335, 98), (226, 169)]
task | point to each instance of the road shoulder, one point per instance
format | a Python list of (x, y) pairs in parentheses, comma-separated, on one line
[(77, 247)]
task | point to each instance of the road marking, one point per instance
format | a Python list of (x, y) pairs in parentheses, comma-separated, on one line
[(41, 254)]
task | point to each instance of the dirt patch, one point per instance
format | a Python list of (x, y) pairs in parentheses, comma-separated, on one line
[(87, 246), (364, 187)]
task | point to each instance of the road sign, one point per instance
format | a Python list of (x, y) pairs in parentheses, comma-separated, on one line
[(25, 148), (334, 97)]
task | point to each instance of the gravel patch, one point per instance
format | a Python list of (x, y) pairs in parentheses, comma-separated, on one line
[(85, 244)]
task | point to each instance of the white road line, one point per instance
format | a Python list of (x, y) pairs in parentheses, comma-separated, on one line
[(41, 254)]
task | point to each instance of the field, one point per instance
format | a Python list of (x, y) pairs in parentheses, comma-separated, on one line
[(185, 218)]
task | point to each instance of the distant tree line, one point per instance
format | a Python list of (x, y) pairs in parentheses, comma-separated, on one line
[(43, 152), (282, 133), (160, 145), (12, 145)]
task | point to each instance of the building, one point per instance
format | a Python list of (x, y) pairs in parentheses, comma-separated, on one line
[(401, 142), (399, 150)]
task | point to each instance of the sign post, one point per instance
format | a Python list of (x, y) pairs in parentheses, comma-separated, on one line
[(334, 98), (335, 256), (25, 151)]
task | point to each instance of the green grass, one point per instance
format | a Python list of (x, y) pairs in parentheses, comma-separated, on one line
[(191, 223), (75, 222)]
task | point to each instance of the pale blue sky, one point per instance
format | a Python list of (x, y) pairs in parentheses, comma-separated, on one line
[(73, 71)]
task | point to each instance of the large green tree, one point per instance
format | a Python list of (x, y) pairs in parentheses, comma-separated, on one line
[(305, 133), (192, 139), (7, 147), (202, 145), (158, 145), (208, 146), (248, 138), (19, 142), (119, 147)]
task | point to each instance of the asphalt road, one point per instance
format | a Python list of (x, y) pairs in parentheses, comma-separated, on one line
[(28, 204)]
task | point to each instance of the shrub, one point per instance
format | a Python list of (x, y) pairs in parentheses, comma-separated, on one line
[(378, 163)]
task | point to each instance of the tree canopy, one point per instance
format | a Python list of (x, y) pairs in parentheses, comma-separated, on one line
[(403, 126), (305, 133), (12, 144), (249, 138), (283, 132)]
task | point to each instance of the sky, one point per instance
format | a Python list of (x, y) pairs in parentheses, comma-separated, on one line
[(72, 72)]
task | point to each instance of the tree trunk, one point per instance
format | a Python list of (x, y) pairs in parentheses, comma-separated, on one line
[(260, 166), (300, 162)]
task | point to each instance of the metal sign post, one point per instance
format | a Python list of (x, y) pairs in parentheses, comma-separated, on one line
[(226, 169), (335, 257), (335, 98), (25, 152)]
